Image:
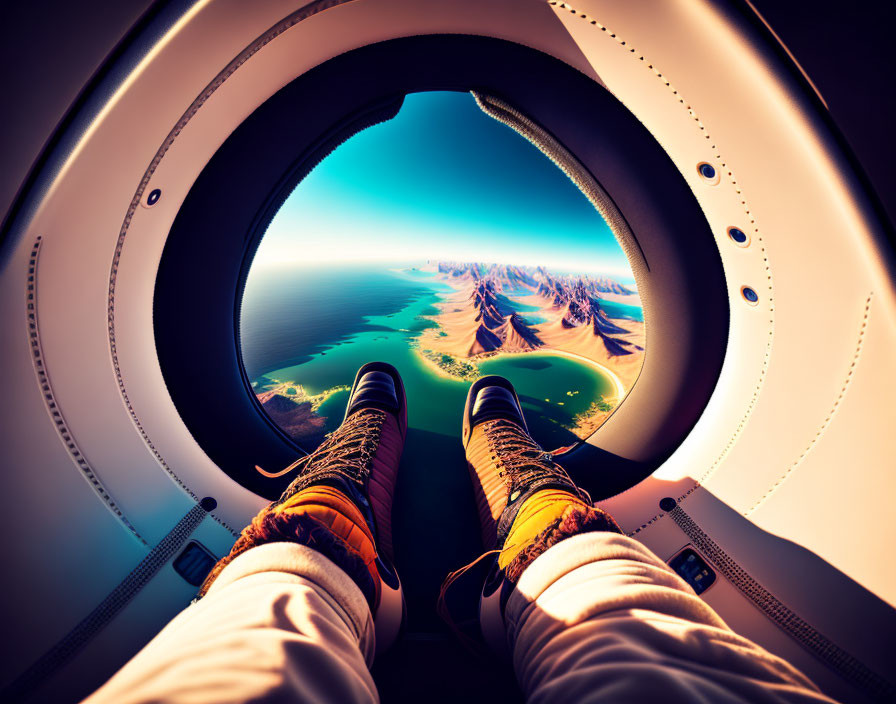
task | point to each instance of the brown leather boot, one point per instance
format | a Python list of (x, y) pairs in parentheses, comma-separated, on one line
[(364, 452), (340, 502)]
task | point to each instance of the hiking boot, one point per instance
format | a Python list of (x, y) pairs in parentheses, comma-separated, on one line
[(506, 465), (527, 502), (361, 457), (340, 502)]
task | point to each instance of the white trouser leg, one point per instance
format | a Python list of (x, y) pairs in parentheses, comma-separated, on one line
[(280, 623), (599, 618)]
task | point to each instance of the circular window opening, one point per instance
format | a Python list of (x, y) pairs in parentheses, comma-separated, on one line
[(446, 244)]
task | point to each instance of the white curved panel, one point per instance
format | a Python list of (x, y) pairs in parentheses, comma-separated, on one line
[(788, 192), (798, 419)]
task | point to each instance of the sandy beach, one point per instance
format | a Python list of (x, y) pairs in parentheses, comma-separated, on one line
[(617, 382), (629, 299)]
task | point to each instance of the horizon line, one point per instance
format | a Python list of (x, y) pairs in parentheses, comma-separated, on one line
[(566, 267)]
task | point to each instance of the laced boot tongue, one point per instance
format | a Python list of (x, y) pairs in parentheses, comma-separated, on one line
[(527, 470), (345, 456), (523, 459)]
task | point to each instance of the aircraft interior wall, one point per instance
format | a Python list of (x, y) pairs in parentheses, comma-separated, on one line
[(758, 434)]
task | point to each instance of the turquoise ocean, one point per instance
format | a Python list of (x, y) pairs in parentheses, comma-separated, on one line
[(315, 328)]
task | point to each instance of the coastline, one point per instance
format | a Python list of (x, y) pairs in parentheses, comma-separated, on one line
[(617, 382), (628, 299), (609, 373), (585, 423), (299, 395), (434, 367)]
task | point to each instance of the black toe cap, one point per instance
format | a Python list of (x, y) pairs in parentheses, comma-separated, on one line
[(495, 402), (374, 390)]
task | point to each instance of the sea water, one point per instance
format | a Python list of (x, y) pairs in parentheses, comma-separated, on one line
[(317, 327)]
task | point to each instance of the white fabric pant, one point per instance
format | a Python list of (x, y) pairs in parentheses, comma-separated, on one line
[(597, 618)]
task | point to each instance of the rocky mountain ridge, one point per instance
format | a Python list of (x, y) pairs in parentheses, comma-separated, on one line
[(570, 302)]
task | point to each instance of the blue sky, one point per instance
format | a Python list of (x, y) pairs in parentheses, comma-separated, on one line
[(442, 180)]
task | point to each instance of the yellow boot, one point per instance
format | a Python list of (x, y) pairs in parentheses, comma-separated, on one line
[(527, 502)]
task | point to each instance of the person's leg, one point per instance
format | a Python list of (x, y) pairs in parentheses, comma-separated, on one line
[(584, 612), (280, 623), (308, 593)]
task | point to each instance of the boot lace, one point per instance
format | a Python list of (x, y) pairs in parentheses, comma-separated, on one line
[(347, 452), (518, 456)]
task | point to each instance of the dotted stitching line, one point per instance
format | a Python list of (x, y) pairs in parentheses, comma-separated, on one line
[(216, 83), (827, 421), (850, 667), (108, 608), (830, 416), (49, 398), (568, 164), (730, 175)]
